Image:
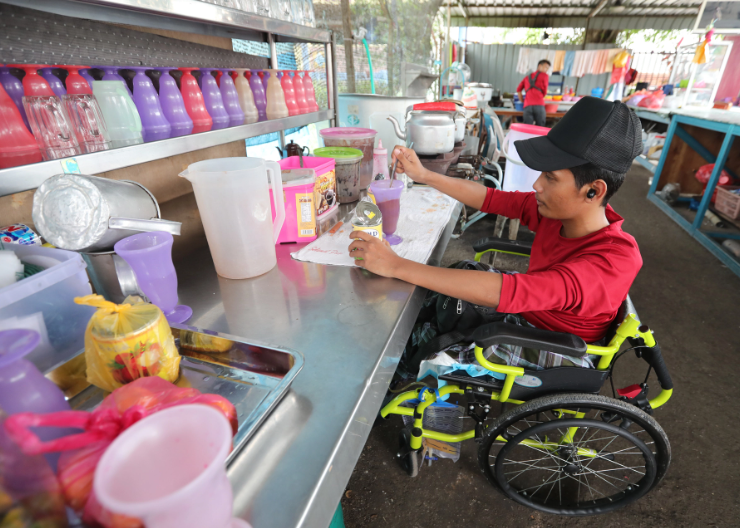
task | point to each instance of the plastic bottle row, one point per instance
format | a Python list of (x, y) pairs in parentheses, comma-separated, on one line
[(83, 115)]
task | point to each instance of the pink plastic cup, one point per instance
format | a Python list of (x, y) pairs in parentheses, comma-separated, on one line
[(388, 198), (168, 470)]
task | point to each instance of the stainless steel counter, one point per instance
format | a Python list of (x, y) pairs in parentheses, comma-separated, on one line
[(351, 327)]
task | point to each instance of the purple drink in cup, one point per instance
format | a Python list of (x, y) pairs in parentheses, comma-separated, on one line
[(388, 199)]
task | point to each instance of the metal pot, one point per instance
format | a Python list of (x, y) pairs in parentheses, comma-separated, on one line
[(90, 214), (111, 276), (460, 122), (431, 132)]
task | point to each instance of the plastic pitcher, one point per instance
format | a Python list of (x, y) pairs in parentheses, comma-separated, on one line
[(234, 203), (519, 177), (168, 470)]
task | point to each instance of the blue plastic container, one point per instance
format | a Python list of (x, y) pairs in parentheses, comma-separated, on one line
[(518, 106), (597, 92)]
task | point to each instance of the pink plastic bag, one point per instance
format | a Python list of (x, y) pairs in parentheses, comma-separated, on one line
[(654, 101), (703, 174), (81, 452)]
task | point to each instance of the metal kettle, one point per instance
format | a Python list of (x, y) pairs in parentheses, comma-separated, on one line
[(431, 132)]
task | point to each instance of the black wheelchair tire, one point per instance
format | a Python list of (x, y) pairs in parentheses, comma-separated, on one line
[(585, 403), (408, 459)]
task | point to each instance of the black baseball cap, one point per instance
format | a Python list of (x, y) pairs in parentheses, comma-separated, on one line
[(605, 133)]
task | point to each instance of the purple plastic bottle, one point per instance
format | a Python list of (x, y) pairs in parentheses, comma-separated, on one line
[(231, 98), (212, 97), (154, 124), (56, 84), (14, 87), (258, 92), (173, 104)]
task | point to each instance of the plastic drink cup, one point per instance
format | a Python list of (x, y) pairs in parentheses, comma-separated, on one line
[(213, 99), (33, 83), (347, 170), (150, 256), (76, 83), (110, 73), (230, 98), (14, 89), (289, 90), (56, 85), (154, 124), (168, 470), (246, 99), (388, 199), (194, 102), (119, 111), (51, 128), (87, 121), (173, 104), (258, 92), (17, 145), (300, 93)]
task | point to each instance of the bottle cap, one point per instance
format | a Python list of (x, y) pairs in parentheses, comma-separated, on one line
[(380, 150)]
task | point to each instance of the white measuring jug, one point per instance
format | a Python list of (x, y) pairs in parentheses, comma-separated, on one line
[(234, 204)]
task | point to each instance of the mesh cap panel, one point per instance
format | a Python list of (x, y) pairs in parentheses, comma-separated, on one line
[(618, 142)]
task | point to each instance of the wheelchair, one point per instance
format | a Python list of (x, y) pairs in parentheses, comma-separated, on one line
[(557, 446)]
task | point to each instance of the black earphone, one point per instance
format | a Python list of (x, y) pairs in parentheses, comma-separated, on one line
[(591, 193)]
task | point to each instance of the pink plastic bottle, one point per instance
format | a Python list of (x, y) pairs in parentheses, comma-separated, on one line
[(300, 94), (288, 89), (310, 94)]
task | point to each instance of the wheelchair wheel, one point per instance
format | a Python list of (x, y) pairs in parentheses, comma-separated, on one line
[(407, 457), (638, 427)]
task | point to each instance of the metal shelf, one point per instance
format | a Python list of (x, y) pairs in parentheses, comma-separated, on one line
[(191, 16), (25, 177)]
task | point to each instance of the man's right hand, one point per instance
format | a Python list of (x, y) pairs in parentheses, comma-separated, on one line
[(409, 164)]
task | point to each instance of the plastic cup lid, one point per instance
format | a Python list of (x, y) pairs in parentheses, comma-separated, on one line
[(530, 129), (339, 153), (14, 344), (348, 133)]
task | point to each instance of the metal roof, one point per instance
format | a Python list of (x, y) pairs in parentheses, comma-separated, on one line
[(600, 14)]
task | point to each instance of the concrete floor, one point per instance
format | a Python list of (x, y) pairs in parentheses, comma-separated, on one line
[(692, 302)]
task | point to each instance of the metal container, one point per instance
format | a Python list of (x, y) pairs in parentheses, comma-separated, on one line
[(431, 132), (111, 276), (369, 219), (90, 214), (483, 92), (371, 111), (460, 122)]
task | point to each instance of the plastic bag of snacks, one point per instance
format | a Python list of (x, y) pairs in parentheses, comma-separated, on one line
[(82, 452), (125, 342)]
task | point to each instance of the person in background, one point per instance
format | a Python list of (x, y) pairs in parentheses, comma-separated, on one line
[(535, 85)]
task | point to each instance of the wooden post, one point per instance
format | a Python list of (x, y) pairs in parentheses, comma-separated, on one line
[(349, 58)]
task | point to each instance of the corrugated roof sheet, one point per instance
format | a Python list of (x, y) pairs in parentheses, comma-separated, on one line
[(617, 14)]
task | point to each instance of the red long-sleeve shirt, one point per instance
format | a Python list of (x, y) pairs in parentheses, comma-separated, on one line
[(534, 97), (573, 285)]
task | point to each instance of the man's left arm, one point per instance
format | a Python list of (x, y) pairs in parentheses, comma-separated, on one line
[(478, 287)]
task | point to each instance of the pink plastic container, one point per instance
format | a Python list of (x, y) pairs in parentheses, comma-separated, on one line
[(300, 207), (326, 182)]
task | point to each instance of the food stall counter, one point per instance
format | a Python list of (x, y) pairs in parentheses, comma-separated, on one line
[(351, 327)]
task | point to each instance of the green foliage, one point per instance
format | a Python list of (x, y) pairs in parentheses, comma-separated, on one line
[(649, 39)]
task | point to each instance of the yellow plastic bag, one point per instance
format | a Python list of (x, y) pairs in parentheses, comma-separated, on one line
[(124, 342), (620, 61)]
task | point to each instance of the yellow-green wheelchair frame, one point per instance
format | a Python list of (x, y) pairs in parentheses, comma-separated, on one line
[(629, 328)]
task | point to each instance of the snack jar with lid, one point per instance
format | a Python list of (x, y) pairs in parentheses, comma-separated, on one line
[(347, 168), (358, 138)]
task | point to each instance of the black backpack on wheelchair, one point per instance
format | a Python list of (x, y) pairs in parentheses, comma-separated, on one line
[(557, 445)]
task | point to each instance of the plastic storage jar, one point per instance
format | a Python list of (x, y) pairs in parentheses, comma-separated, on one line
[(300, 207), (520, 177), (326, 182), (44, 302), (347, 168), (359, 138)]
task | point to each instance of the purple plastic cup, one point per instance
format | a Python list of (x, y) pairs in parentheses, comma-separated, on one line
[(86, 75), (24, 389), (14, 87), (388, 199), (154, 124), (231, 98), (110, 73), (258, 92), (150, 256), (213, 100), (56, 84), (173, 104)]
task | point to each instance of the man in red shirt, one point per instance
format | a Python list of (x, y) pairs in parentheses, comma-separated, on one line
[(582, 264), (534, 101)]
